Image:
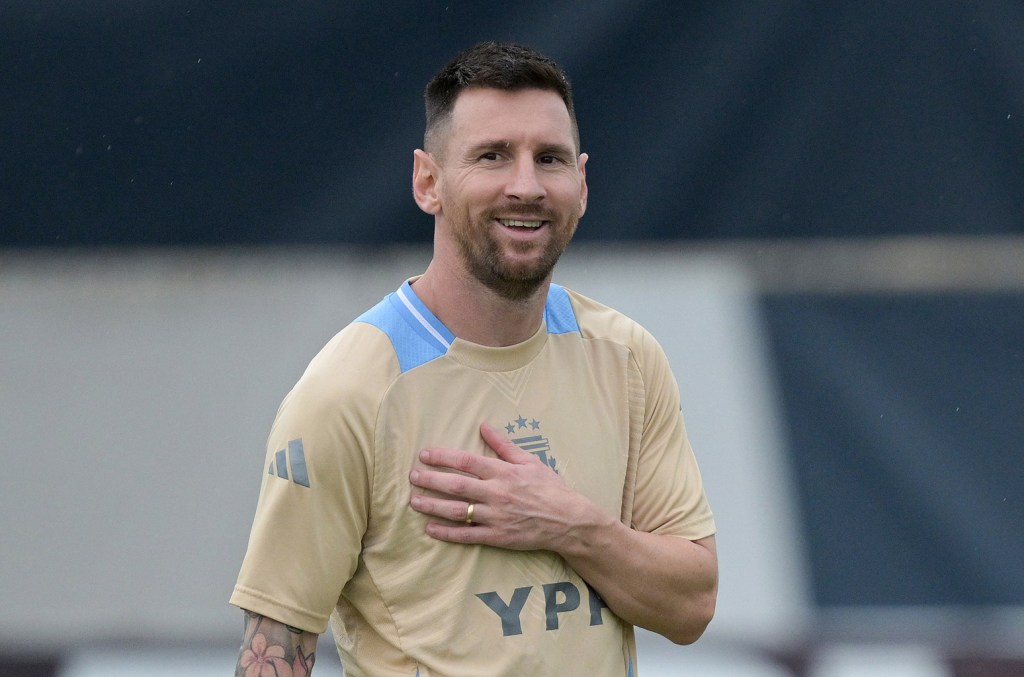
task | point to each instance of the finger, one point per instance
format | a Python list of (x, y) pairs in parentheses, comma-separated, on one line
[(456, 459), (464, 533), (453, 485), (455, 511), (505, 448)]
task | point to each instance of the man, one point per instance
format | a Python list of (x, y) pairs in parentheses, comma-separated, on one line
[(485, 474)]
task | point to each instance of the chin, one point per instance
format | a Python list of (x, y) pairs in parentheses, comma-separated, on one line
[(518, 283)]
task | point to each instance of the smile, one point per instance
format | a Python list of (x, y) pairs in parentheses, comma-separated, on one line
[(518, 223)]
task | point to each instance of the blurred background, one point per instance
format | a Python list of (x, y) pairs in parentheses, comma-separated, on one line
[(817, 207)]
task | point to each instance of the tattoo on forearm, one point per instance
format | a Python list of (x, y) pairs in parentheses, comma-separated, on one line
[(276, 649)]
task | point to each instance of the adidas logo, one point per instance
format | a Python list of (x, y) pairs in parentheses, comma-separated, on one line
[(294, 458)]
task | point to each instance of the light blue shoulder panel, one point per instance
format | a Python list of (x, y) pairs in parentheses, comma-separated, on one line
[(417, 336), (558, 312)]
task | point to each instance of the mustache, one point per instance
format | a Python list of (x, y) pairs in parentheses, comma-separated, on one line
[(537, 212)]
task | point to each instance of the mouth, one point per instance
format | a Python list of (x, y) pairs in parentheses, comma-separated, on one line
[(521, 223)]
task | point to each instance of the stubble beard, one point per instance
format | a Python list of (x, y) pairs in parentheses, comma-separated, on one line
[(485, 260)]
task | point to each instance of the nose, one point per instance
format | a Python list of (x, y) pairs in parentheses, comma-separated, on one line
[(525, 183)]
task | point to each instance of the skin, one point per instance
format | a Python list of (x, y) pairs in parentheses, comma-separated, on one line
[(504, 156)]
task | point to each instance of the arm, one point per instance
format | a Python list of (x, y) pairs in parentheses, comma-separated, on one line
[(305, 540), (270, 647), (671, 584)]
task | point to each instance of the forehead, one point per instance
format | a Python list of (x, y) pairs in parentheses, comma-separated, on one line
[(535, 115)]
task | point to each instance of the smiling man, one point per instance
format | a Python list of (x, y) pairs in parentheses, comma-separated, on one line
[(486, 473)]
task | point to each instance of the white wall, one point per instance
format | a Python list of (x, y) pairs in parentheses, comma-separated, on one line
[(136, 390)]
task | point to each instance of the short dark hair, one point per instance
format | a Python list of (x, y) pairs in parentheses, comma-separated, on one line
[(495, 65)]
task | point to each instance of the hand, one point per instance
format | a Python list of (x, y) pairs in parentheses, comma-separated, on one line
[(518, 502)]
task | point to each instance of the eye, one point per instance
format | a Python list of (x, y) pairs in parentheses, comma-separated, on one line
[(490, 156), (551, 160)]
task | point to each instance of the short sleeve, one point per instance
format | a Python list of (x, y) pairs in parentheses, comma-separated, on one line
[(669, 493), (313, 504)]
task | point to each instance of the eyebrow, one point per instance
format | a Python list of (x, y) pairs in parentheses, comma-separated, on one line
[(501, 144), (489, 144)]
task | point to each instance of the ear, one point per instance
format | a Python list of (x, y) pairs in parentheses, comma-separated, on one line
[(425, 173), (581, 164)]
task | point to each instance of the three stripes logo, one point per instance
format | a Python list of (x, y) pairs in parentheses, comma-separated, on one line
[(293, 458)]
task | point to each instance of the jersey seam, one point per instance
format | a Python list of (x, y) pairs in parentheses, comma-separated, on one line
[(246, 590), (376, 426)]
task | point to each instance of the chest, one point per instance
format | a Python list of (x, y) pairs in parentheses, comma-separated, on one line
[(567, 407)]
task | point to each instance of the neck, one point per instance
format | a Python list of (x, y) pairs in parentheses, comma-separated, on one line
[(476, 313)]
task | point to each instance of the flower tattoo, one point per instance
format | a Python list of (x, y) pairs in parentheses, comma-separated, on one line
[(274, 650)]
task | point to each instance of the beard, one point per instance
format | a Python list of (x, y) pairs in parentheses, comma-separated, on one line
[(485, 259)]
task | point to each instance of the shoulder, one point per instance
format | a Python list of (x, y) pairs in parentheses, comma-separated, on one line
[(364, 359), (357, 365), (597, 321), (358, 351), (332, 408)]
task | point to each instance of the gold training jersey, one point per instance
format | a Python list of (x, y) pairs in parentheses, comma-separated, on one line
[(590, 394)]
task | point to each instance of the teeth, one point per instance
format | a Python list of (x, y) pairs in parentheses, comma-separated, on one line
[(516, 223)]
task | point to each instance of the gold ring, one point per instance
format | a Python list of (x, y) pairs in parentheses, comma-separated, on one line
[(469, 514)]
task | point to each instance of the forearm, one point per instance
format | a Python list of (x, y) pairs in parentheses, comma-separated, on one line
[(666, 584), (276, 646)]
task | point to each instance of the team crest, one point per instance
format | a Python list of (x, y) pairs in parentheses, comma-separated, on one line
[(526, 435)]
